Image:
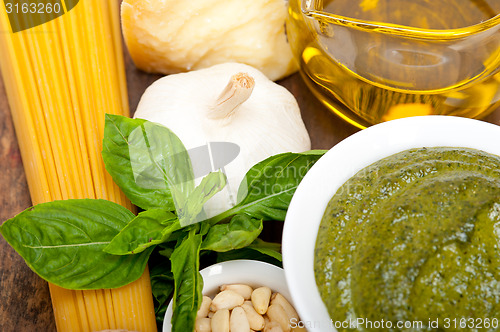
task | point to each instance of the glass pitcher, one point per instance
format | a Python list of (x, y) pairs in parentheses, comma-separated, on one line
[(371, 61)]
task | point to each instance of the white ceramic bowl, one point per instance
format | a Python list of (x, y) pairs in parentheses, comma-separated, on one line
[(250, 272), (336, 167)]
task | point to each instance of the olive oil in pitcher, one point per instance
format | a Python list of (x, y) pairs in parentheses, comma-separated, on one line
[(366, 58)]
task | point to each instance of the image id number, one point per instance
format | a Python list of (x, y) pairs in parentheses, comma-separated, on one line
[(32, 8), (471, 323)]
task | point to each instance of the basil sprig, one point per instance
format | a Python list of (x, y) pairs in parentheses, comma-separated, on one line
[(268, 187), (63, 242), (93, 244)]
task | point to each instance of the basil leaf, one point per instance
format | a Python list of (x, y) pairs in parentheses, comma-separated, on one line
[(166, 249), (116, 158), (204, 227), (188, 282), (162, 284), (268, 187), (270, 249), (148, 162), (258, 250), (62, 242), (168, 165), (211, 184), (238, 233), (149, 228)]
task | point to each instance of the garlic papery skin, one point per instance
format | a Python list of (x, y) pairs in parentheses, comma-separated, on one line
[(172, 36), (263, 119)]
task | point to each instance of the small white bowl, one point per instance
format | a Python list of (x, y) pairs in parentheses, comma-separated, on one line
[(250, 272), (336, 167)]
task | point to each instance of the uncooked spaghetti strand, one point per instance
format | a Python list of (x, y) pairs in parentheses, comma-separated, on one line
[(61, 114), (107, 101), (111, 82), (65, 28), (17, 90), (39, 106), (92, 104), (38, 185), (114, 18), (35, 49)]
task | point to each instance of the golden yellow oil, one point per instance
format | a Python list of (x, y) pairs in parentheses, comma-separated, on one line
[(365, 77), (427, 14)]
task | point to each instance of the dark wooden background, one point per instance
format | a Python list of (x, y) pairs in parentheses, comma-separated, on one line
[(24, 298)]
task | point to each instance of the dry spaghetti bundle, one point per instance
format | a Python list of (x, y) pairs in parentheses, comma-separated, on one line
[(61, 78)]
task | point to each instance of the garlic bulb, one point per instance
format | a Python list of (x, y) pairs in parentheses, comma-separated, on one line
[(171, 36), (261, 117)]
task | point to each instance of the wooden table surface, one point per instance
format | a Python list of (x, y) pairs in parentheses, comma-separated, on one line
[(24, 298)]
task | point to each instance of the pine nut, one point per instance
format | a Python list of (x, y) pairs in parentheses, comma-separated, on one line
[(238, 322), (243, 290), (227, 299), (273, 327), (204, 307), (240, 308), (281, 300), (203, 325), (276, 313), (220, 321), (255, 320), (260, 299)]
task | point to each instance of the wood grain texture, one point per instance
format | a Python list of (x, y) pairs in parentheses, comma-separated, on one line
[(24, 298)]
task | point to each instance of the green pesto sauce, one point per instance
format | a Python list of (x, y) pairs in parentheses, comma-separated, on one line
[(414, 237)]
